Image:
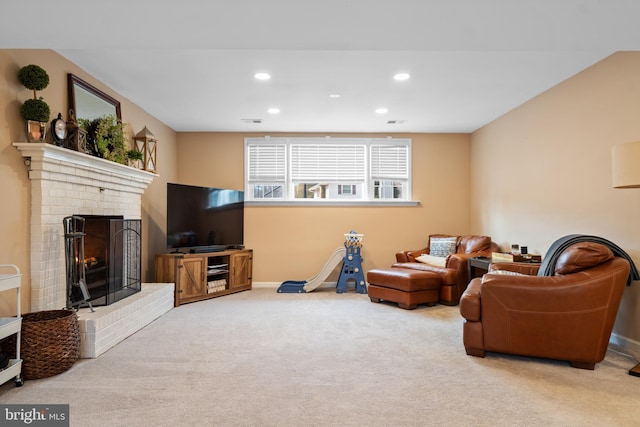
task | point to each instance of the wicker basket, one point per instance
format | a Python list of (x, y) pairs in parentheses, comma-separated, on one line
[(50, 343)]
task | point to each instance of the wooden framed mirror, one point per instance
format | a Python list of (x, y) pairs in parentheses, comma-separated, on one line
[(89, 102)]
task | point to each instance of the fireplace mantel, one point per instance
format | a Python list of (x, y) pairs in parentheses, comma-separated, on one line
[(46, 161)]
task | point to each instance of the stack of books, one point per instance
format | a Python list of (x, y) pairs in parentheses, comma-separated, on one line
[(214, 286), (507, 257)]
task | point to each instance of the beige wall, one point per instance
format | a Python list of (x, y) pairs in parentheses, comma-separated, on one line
[(15, 188), (543, 170), (293, 243)]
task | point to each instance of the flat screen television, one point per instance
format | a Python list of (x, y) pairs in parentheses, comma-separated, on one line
[(202, 219)]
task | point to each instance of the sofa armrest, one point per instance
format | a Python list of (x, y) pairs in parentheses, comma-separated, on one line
[(457, 261), (530, 269), (460, 263), (470, 307), (410, 255)]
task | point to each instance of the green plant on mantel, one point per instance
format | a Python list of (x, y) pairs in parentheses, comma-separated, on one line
[(107, 135), (35, 78), (134, 155)]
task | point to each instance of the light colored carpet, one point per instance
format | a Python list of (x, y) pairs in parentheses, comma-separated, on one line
[(260, 358)]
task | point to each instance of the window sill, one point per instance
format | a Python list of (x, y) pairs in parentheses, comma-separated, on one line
[(397, 203)]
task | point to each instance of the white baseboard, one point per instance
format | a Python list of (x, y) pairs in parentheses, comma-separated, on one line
[(275, 285), (265, 284), (626, 345)]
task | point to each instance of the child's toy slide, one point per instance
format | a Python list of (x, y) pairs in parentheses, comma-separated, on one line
[(293, 286)]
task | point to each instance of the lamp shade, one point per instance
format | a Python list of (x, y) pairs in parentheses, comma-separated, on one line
[(625, 165)]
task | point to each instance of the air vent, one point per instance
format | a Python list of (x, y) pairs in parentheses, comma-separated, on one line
[(251, 120), (395, 122)]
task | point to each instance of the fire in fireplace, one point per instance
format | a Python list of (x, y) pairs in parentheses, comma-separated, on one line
[(112, 258)]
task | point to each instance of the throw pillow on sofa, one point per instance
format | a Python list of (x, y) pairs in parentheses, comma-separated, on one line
[(442, 246), (435, 261)]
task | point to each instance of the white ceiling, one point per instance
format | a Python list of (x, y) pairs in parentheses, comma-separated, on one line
[(191, 63)]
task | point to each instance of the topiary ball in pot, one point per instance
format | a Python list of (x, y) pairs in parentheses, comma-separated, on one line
[(33, 77), (36, 110)]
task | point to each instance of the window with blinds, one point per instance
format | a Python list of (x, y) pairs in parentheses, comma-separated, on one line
[(390, 170), (266, 169), (336, 169)]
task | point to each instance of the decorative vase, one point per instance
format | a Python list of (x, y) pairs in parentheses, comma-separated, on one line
[(36, 131)]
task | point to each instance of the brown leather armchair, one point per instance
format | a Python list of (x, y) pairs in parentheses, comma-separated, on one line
[(567, 316), (455, 273)]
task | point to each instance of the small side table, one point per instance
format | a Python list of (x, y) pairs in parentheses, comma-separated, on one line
[(478, 263)]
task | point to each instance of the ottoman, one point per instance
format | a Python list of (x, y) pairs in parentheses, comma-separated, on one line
[(404, 286)]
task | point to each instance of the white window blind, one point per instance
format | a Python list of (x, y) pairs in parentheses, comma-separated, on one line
[(267, 163), (345, 170), (310, 162), (389, 161)]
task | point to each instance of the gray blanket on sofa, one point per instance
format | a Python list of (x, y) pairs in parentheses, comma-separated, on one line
[(549, 263)]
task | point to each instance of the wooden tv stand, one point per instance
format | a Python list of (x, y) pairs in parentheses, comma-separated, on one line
[(199, 276)]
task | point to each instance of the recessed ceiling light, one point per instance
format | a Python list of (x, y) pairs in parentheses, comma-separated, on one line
[(334, 96), (401, 76), (262, 76), (273, 110), (382, 111)]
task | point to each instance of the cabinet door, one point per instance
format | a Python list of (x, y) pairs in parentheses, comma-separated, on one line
[(191, 281), (241, 267)]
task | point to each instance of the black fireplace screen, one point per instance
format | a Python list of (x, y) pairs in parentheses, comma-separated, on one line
[(112, 258)]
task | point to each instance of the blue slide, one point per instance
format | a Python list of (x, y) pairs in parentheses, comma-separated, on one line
[(301, 286)]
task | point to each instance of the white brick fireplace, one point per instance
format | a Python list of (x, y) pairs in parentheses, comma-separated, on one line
[(63, 183)]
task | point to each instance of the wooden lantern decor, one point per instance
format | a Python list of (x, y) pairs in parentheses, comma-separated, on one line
[(147, 143), (76, 136)]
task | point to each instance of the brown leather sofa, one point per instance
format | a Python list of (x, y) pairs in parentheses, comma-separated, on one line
[(455, 274), (566, 316)]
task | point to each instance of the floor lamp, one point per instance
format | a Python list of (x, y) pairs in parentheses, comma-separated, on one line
[(625, 166)]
